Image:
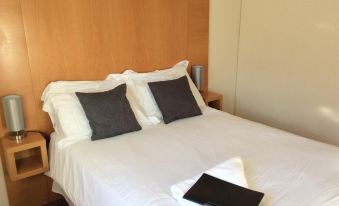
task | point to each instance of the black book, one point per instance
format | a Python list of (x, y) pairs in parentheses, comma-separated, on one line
[(209, 190)]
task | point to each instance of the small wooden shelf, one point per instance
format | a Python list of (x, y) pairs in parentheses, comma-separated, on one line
[(28, 164), (26, 158), (213, 99)]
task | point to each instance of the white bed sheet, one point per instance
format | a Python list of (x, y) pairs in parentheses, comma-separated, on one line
[(138, 168)]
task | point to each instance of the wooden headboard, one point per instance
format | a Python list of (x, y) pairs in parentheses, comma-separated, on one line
[(48, 40)]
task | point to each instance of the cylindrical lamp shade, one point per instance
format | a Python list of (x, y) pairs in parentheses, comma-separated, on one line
[(14, 116), (198, 76)]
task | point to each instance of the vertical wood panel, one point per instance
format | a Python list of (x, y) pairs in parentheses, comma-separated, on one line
[(14, 64), (16, 78), (198, 33), (28, 192)]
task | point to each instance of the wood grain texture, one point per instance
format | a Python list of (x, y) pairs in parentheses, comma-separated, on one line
[(213, 99), (14, 62), (198, 34), (88, 39), (35, 160), (48, 40), (31, 191)]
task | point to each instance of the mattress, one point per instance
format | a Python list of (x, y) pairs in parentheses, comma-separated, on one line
[(139, 168)]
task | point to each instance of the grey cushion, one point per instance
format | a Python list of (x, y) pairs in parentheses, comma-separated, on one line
[(109, 113), (175, 99)]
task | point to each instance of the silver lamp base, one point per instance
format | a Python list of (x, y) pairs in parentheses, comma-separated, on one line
[(18, 136)]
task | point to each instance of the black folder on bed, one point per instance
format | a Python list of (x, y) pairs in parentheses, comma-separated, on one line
[(209, 190)]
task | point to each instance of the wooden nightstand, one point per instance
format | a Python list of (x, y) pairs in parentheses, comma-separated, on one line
[(213, 99), (26, 158)]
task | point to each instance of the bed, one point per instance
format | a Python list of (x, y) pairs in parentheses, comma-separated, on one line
[(138, 168)]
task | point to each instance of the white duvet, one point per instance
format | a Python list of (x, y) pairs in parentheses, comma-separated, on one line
[(139, 168)]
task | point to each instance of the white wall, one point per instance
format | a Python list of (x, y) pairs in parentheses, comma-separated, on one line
[(3, 192), (288, 73), (223, 48)]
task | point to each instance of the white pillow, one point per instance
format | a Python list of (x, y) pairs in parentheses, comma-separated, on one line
[(69, 86), (61, 104), (68, 118), (80, 86), (137, 82), (66, 113)]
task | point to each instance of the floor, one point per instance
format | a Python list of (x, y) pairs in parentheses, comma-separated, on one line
[(57, 203)]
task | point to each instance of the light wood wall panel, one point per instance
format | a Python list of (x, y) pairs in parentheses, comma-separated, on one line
[(88, 39), (48, 40), (14, 63), (198, 27), (16, 78)]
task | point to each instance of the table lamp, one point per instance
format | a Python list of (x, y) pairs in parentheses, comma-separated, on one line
[(14, 116), (198, 76)]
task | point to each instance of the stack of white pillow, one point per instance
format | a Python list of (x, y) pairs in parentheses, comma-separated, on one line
[(69, 119)]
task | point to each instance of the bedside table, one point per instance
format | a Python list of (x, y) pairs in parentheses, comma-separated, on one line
[(26, 158), (213, 99)]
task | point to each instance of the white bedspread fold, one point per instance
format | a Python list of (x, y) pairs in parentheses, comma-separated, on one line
[(231, 171)]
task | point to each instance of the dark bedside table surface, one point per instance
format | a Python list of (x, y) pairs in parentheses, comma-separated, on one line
[(61, 202)]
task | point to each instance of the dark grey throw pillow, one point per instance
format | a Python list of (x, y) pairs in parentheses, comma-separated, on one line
[(109, 113), (175, 99)]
